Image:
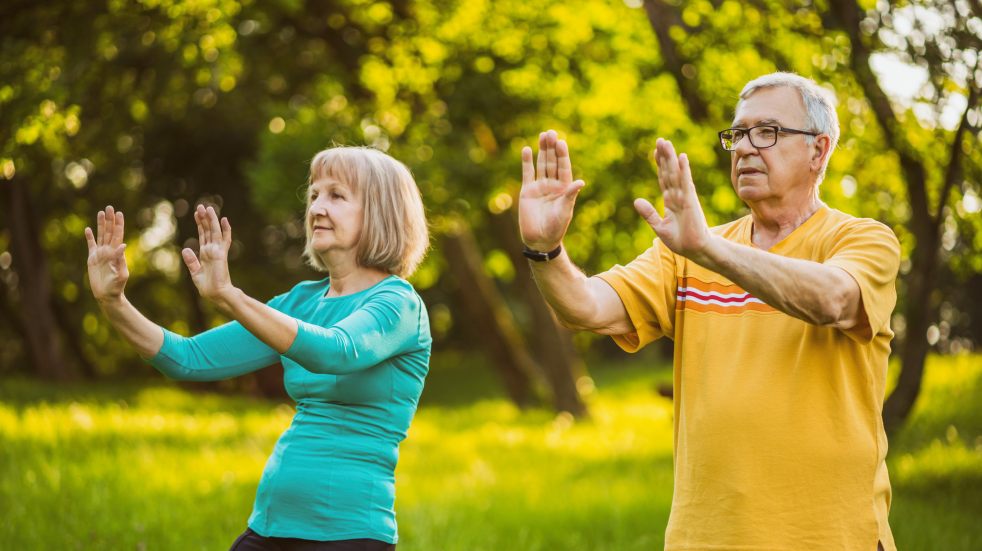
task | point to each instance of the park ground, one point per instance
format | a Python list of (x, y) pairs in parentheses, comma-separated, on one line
[(149, 465)]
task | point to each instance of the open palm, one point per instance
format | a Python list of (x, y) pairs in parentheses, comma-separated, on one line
[(545, 205), (683, 228), (209, 270), (107, 263)]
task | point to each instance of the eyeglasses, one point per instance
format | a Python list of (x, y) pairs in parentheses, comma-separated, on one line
[(761, 137)]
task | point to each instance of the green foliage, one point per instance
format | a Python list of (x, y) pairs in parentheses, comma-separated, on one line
[(125, 466), (154, 106)]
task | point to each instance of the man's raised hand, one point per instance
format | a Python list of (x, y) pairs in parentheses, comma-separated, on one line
[(545, 205), (683, 228)]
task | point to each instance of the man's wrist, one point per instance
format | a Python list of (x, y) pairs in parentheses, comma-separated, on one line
[(543, 247), (708, 255), (542, 255)]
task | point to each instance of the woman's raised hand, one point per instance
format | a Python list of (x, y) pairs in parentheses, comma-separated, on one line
[(210, 271), (545, 205), (107, 263)]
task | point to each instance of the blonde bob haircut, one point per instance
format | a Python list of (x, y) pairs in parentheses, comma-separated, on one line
[(394, 235)]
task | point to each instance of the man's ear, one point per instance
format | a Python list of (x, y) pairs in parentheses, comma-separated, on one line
[(821, 148)]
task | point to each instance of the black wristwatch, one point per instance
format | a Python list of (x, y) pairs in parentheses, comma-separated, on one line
[(540, 256)]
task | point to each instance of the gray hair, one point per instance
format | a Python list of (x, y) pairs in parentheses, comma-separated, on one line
[(819, 105)]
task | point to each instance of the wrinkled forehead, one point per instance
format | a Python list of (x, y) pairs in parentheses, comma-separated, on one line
[(778, 105)]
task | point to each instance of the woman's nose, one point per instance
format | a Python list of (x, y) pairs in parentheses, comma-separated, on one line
[(317, 210)]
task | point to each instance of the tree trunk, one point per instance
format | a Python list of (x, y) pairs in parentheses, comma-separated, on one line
[(12, 317), (919, 315), (926, 263), (551, 343), (921, 310), (43, 342), (662, 16), (73, 340), (488, 316)]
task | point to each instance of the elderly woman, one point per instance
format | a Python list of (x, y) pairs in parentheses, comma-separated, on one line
[(355, 348)]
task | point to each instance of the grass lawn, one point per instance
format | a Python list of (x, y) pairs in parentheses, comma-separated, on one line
[(126, 466)]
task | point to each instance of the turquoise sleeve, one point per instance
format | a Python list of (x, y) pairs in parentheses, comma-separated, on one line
[(221, 353), (385, 326), (224, 352)]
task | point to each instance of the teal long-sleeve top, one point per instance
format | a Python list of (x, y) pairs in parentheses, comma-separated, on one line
[(356, 371)]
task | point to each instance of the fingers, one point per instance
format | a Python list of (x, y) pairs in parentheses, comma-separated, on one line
[(686, 172), (540, 165), (207, 222), (563, 163), (574, 189), (214, 226), (668, 165), (110, 225), (117, 236), (119, 256), (648, 212), (226, 232), (191, 261), (90, 239), (202, 239), (210, 229), (528, 169), (100, 226), (551, 164)]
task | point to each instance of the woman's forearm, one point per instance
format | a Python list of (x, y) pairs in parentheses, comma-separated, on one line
[(144, 335), (269, 325)]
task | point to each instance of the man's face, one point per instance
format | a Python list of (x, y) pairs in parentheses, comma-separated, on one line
[(782, 171)]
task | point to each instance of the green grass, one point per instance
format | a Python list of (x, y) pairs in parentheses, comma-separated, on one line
[(128, 466)]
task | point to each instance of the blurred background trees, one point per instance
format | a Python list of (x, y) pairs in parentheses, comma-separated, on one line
[(156, 105)]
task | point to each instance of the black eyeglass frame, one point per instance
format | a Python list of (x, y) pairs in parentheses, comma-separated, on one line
[(747, 132)]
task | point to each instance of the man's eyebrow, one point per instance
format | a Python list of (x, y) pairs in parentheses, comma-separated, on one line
[(741, 124)]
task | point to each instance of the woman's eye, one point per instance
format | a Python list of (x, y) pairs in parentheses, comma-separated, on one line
[(336, 196)]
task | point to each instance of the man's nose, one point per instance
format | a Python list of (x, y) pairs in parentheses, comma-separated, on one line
[(744, 147)]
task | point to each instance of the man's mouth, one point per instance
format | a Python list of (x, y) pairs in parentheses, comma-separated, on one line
[(749, 171)]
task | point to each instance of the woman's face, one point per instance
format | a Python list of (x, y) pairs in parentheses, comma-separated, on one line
[(334, 216)]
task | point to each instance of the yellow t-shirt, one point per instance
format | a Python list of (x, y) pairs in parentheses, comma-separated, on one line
[(779, 441)]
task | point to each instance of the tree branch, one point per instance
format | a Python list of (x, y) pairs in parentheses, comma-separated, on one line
[(954, 171)]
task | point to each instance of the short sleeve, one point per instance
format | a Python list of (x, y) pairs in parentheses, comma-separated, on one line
[(870, 253), (647, 286)]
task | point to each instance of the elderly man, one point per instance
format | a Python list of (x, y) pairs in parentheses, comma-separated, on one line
[(781, 323)]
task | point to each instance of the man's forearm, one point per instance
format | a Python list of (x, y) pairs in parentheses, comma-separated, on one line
[(581, 303), (810, 291)]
